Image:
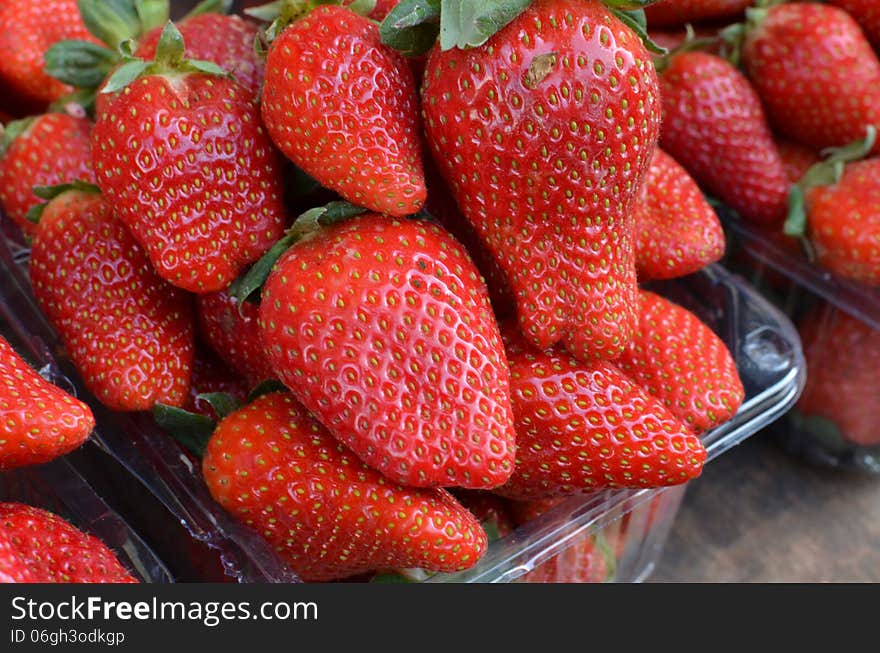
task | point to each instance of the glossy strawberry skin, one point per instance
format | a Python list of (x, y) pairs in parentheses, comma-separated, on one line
[(277, 469), (844, 222), (210, 375), (383, 329), (343, 107), (672, 13), (584, 427), (816, 73), (382, 8), (545, 165), (677, 231), (225, 40), (867, 13), (38, 420), (714, 126), (189, 170), (683, 363), (54, 149), (129, 334), (12, 567), (27, 30), (234, 334), (54, 551)]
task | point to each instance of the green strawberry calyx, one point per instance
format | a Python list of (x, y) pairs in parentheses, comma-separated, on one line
[(13, 130), (824, 173), (303, 227), (281, 13), (690, 44), (49, 193)]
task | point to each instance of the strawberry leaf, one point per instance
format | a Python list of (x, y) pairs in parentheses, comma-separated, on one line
[(252, 280), (361, 7), (208, 67), (628, 5), (412, 26), (222, 403), (470, 24), (210, 7), (13, 130), (111, 21), (151, 14), (191, 430), (79, 63), (125, 75), (265, 388), (637, 22)]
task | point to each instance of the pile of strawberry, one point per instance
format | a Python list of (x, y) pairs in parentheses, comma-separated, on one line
[(364, 274)]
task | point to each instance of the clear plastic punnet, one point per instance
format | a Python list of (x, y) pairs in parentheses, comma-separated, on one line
[(627, 528)]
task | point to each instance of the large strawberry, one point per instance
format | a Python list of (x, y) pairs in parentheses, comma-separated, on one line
[(182, 157), (671, 13), (210, 376), (544, 133), (796, 158), (677, 231), (682, 362), (50, 149), (815, 71), (343, 107), (383, 329), (328, 515), (48, 549), (582, 427), (232, 331), (714, 126), (843, 357), (129, 334), (867, 13), (38, 421), (27, 30)]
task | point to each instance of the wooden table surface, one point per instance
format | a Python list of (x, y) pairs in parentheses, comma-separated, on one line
[(759, 515)]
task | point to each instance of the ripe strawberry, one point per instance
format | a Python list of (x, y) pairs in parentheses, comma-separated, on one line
[(382, 8), (54, 551), (38, 420), (582, 427), (343, 107), (672, 13), (12, 567), (489, 509), (228, 41), (677, 231), (816, 73), (843, 222), (277, 469), (44, 151), (843, 357), (867, 13), (128, 333), (383, 329), (27, 30), (184, 161), (679, 360), (212, 375), (796, 158), (234, 334), (544, 134), (714, 126)]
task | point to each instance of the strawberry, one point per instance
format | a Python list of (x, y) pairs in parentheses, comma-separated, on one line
[(50, 149), (815, 71), (867, 13), (490, 510), (383, 329), (843, 357), (796, 158), (343, 107), (233, 333), (53, 551), (679, 360), (582, 427), (38, 420), (211, 375), (677, 231), (129, 334), (228, 41), (277, 469), (382, 8), (12, 567), (183, 159), (714, 126), (544, 133), (673, 13), (27, 30)]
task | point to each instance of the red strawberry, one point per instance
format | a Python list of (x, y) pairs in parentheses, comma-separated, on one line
[(228, 41), (714, 126), (844, 222), (211, 375), (544, 134), (796, 158), (672, 13), (53, 551), (343, 107), (677, 231), (582, 427), (44, 151), (843, 358), (234, 334), (12, 567), (383, 329), (382, 8), (27, 30), (490, 510), (38, 421), (277, 469), (867, 13), (816, 73), (184, 161), (679, 360), (128, 333)]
